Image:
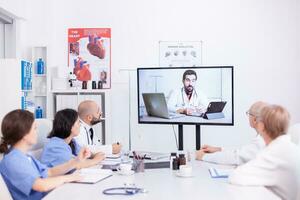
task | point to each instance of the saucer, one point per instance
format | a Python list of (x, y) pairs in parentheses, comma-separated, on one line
[(125, 173), (184, 175)]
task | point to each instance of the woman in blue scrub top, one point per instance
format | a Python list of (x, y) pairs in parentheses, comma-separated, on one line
[(62, 147), (26, 177)]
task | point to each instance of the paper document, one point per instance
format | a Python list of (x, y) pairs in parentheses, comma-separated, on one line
[(91, 175), (113, 156), (219, 173), (111, 161)]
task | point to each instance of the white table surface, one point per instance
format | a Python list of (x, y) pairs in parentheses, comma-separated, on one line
[(164, 184)]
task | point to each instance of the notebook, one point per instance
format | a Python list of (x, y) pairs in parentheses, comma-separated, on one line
[(219, 173), (93, 175)]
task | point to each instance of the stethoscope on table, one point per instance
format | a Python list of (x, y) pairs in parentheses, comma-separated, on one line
[(124, 191)]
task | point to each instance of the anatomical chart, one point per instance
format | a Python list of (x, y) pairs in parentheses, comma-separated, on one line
[(89, 56), (180, 53)]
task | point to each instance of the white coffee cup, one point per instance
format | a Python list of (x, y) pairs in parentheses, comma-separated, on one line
[(185, 170), (125, 168)]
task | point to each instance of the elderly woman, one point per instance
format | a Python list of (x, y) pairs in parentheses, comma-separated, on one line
[(277, 167)]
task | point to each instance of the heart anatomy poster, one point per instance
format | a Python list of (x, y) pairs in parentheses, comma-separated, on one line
[(89, 56)]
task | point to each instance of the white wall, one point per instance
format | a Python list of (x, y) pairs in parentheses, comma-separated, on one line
[(2, 40), (260, 38)]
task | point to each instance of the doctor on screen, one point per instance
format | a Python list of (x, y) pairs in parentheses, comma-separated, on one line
[(188, 100)]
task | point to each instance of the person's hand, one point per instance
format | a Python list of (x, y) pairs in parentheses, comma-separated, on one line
[(116, 148), (189, 111), (83, 154), (199, 154), (98, 157), (201, 110), (210, 149)]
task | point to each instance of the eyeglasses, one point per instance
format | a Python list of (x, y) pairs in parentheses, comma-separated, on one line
[(248, 113)]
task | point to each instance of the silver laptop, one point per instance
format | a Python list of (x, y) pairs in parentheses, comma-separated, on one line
[(156, 106)]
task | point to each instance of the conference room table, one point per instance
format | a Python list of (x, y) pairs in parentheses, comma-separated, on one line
[(164, 184)]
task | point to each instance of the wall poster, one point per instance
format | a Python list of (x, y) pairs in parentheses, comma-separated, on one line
[(180, 53), (89, 56)]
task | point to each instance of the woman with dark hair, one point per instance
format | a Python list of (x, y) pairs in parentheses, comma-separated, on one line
[(62, 147), (26, 177)]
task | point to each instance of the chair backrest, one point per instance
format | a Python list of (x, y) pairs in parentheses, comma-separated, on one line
[(4, 192), (44, 127), (294, 132)]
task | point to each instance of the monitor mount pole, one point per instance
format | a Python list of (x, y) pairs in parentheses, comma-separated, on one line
[(180, 137), (198, 137)]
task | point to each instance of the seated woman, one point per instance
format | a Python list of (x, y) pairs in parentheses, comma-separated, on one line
[(62, 147), (26, 177), (277, 167)]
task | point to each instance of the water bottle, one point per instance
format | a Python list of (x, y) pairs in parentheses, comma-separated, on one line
[(39, 112), (40, 66)]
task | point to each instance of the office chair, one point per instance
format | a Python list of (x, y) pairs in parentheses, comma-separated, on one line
[(4, 192), (44, 127)]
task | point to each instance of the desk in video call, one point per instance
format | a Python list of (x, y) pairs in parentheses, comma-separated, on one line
[(188, 119)]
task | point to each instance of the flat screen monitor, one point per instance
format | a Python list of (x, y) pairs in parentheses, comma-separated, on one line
[(186, 95)]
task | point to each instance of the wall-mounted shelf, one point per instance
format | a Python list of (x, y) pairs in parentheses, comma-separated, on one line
[(40, 80), (96, 91)]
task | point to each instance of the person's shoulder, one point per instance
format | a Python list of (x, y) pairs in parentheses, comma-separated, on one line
[(11, 162), (56, 144)]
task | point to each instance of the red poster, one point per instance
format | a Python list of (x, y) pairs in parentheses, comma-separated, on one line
[(89, 56)]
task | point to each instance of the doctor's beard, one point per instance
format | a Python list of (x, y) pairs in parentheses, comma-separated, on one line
[(96, 120), (189, 89)]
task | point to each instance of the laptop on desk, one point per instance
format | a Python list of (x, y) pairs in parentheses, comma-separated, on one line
[(156, 106)]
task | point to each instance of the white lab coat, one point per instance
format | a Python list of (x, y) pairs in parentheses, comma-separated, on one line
[(178, 99), (237, 156), (95, 145), (277, 167)]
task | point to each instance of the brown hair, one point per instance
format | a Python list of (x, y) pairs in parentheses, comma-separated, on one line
[(15, 125), (276, 120)]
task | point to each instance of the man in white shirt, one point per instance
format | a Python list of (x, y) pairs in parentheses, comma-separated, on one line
[(240, 155), (277, 166), (187, 100), (90, 114)]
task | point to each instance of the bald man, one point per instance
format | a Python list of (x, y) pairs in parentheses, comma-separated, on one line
[(240, 155), (90, 114)]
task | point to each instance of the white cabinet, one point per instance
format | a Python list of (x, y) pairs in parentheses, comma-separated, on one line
[(71, 99)]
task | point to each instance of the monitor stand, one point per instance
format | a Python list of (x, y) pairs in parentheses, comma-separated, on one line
[(180, 137)]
